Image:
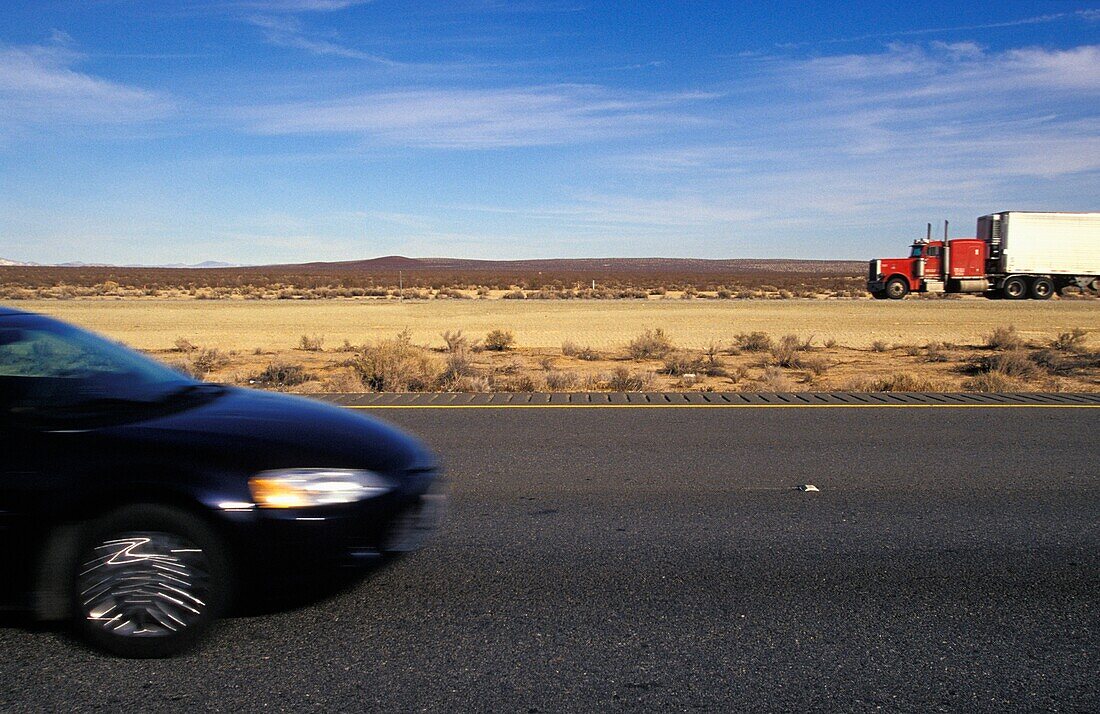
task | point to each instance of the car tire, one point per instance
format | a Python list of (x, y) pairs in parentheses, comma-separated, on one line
[(1042, 289), (1015, 288), (897, 288), (148, 581), (879, 295)]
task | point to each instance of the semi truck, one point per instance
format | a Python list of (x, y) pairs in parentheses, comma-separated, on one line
[(1015, 255)]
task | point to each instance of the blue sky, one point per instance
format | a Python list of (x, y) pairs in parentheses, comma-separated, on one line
[(262, 131)]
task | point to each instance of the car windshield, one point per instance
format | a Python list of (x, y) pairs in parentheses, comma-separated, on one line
[(46, 364), (916, 251)]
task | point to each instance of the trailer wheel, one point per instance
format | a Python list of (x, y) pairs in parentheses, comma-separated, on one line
[(1042, 289), (897, 288), (1015, 288)]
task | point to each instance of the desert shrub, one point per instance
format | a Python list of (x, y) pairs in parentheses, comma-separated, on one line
[(457, 342), (1004, 338), (992, 382), (897, 382), (711, 352), (651, 344), (281, 375), (457, 364), (512, 366), (723, 294), (624, 380), (182, 345), (473, 383), (561, 381), (396, 365), (879, 346), (753, 341), (514, 295), (911, 350), (188, 369), (519, 383), (680, 363), (934, 352), (1069, 341), (311, 343), (830, 343), (451, 293), (207, 360), (773, 380), (1012, 363), (499, 340), (738, 374), (785, 353), (343, 380), (814, 365), (571, 349), (1052, 360)]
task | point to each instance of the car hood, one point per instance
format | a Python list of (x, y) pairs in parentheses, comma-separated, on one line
[(262, 430)]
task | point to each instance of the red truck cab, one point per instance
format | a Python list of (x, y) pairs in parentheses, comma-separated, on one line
[(930, 267)]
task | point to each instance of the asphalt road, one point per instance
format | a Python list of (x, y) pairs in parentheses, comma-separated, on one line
[(663, 559)]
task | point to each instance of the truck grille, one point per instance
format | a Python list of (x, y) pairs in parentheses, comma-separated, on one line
[(872, 270)]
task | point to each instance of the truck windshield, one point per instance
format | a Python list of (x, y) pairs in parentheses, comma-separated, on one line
[(916, 251)]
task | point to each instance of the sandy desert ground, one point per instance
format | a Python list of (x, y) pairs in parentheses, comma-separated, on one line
[(274, 325), (912, 345)]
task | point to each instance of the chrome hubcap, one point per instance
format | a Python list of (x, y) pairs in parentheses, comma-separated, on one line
[(144, 584)]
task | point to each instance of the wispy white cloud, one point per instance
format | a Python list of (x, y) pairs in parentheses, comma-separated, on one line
[(298, 5), (916, 32), (288, 31), (39, 85), (479, 118), (858, 137)]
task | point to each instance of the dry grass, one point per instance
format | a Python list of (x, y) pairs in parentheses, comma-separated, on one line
[(499, 340), (602, 326), (651, 344), (568, 345), (1004, 337)]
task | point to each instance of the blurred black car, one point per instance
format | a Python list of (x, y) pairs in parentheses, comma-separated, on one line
[(138, 501)]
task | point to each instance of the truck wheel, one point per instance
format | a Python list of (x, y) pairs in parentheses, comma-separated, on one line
[(879, 295), (149, 580), (1015, 288), (897, 288), (1042, 289)]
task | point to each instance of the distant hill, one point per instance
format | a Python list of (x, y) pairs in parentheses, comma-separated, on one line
[(392, 263), (377, 276), (5, 261)]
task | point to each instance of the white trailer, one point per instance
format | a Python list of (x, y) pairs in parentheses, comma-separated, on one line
[(1033, 253)]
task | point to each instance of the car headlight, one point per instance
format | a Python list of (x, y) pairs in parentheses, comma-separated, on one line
[(302, 488)]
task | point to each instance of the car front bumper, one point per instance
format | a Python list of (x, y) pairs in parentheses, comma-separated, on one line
[(351, 534)]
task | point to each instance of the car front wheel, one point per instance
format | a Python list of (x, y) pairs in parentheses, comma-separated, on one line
[(149, 580)]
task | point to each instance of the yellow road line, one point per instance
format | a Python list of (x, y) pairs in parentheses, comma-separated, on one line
[(721, 406)]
